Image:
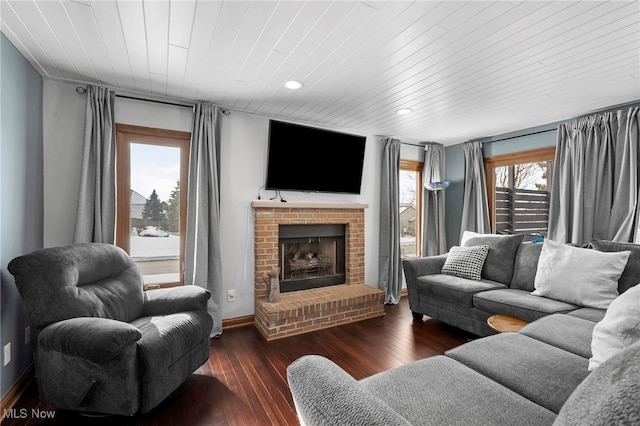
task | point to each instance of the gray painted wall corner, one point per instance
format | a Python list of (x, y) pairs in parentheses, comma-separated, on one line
[(21, 189)]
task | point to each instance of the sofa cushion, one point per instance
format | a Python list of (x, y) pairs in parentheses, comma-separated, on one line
[(581, 276), (631, 274), (465, 262), (609, 396), (519, 303), (540, 372), (502, 253), (619, 328), (525, 266), (455, 289), (439, 391), (591, 314), (563, 331)]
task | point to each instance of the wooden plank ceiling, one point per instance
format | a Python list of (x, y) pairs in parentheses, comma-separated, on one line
[(466, 69)]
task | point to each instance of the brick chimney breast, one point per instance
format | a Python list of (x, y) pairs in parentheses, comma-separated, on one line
[(308, 310)]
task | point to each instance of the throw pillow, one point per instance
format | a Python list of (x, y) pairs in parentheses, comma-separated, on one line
[(501, 257), (465, 262), (525, 266), (631, 274), (580, 276), (620, 328)]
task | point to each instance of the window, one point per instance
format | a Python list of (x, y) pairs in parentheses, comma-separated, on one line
[(410, 208), (151, 176), (518, 191)]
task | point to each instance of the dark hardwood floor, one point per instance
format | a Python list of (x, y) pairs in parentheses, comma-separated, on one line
[(244, 382)]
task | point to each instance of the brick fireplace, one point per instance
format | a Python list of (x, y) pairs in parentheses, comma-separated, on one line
[(308, 310)]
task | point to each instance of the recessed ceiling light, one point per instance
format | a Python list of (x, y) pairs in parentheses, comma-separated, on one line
[(404, 111), (293, 84)]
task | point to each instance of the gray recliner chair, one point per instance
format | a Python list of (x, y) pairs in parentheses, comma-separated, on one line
[(105, 345)]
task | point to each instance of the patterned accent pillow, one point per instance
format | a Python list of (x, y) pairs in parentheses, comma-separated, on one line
[(465, 262)]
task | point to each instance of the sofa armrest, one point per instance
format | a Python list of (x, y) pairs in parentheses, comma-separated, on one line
[(95, 339), (324, 394), (421, 266), (172, 300)]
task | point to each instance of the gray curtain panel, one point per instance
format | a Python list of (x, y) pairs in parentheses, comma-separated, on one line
[(433, 171), (390, 272), (475, 207), (96, 215), (203, 265), (625, 212), (594, 191)]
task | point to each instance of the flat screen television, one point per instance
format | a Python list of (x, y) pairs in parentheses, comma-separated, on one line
[(309, 159)]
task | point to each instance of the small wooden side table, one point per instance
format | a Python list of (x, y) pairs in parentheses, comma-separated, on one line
[(504, 323)]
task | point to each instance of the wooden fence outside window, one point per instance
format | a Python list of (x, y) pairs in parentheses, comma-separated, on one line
[(521, 211)]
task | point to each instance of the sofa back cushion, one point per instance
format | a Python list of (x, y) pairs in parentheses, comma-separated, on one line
[(80, 280), (631, 274), (525, 266), (502, 253)]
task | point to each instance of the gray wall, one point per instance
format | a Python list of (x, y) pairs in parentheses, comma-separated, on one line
[(21, 215), (62, 159), (525, 140), (454, 173)]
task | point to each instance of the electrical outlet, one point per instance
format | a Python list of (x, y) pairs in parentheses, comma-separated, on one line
[(7, 353), (27, 335), (231, 296)]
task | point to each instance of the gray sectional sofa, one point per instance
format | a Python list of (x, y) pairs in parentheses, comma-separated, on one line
[(571, 365), (537, 376), (506, 285)]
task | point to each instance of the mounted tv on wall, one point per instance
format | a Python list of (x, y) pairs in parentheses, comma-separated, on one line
[(308, 159)]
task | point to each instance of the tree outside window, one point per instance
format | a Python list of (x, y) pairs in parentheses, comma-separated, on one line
[(173, 209), (153, 211)]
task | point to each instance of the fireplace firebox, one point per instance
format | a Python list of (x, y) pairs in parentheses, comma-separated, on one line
[(311, 256)]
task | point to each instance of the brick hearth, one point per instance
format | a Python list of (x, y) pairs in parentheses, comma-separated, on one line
[(308, 310)]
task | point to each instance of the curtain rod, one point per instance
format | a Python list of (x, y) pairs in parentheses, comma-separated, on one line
[(419, 145), (81, 90), (412, 144), (520, 136), (136, 98)]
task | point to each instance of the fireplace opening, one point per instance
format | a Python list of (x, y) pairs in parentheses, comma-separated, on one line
[(311, 256)]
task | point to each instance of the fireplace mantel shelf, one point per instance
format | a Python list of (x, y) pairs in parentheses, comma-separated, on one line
[(305, 205)]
